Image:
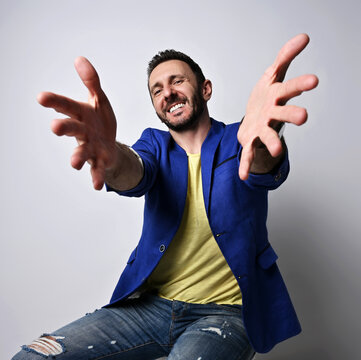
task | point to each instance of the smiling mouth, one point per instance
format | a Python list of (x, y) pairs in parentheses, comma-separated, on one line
[(176, 107)]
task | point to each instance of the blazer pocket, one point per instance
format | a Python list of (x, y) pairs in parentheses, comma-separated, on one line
[(225, 161), (267, 257), (132, 256), (227, 167)]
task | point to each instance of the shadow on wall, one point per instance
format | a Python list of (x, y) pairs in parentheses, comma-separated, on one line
[(311, 354), (314, 258)]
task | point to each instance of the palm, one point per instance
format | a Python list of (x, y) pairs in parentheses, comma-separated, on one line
[(267, 108), (93, 124)]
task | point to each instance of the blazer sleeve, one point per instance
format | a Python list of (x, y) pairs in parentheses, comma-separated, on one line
[(271, 180), (146, 149)]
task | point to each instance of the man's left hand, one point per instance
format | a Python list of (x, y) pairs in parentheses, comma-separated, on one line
[(266, 108)]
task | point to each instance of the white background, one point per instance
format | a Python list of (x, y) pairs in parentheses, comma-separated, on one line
[(63, 245)]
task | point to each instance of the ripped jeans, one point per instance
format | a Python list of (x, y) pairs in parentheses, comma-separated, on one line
[(149, 327)]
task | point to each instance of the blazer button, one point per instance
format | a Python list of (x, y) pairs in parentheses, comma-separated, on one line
[(162, 248), (278, 176)]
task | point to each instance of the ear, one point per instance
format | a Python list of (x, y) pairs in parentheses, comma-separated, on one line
[(207, 90)]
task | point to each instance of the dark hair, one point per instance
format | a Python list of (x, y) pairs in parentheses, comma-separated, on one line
[(171, 54)]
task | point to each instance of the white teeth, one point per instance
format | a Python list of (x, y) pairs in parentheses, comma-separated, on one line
[(175, 107)]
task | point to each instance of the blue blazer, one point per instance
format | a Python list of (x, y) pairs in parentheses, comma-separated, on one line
[(237, 213)]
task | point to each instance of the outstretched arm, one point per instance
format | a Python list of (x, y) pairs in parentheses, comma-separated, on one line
[(93, 125), (262, 149)]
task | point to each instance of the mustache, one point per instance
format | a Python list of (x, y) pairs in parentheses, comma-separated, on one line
[(175, 98)]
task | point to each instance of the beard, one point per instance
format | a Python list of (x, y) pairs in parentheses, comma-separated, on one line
[(185, 123)]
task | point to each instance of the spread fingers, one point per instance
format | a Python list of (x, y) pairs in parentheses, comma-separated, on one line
[(289, 113), (69, 127), (61, 104)]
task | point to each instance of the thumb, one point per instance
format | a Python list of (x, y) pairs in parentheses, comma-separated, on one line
[(247, 157), (88, 75)]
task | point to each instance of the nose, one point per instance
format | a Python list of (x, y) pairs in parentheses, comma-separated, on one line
[(168, 91)]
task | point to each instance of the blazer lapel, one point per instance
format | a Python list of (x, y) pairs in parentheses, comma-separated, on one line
[(209, 148), (178, 161)]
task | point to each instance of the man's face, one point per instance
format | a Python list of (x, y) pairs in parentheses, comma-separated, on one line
[(176, 96)]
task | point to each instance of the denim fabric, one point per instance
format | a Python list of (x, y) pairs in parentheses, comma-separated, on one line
[(151, 327)]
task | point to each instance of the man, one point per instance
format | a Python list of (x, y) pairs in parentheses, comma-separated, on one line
[(202, 282)]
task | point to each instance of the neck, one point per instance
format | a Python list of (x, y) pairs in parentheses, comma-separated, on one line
[(191, 140)]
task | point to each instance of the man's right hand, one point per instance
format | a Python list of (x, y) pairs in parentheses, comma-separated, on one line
[(93, 124)]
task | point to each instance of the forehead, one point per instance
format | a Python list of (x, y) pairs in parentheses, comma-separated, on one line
[(170, 68)]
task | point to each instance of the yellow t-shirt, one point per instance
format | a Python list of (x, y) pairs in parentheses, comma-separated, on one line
[(193, 268)]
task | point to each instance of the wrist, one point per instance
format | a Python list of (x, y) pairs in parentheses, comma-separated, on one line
[(127, 164)]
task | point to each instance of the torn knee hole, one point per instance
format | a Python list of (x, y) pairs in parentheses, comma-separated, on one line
[(222, 331), (47, 345)]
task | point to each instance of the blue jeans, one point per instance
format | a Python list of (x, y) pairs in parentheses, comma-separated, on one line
[(148, 328)]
